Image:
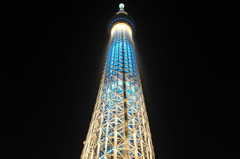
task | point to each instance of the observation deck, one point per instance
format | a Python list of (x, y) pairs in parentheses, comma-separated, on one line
[(121, 17)]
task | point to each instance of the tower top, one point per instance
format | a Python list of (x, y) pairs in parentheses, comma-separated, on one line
[(121, 7), (121, 17)]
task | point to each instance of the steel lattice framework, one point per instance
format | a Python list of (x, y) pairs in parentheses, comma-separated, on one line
[(119, 128)]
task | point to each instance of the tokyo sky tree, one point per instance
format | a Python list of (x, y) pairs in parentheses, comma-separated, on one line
[(119, 127)]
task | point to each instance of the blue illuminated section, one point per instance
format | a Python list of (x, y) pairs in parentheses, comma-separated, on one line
[(121, 74)]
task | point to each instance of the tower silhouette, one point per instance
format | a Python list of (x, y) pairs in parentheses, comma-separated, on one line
[(119, 127)]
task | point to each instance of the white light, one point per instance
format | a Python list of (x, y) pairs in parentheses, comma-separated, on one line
[(121, 26), (121, 7)]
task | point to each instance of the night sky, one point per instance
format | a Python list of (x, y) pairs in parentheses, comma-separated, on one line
[(52, 60)]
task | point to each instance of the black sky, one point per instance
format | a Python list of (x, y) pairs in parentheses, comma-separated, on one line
[(53, 56)]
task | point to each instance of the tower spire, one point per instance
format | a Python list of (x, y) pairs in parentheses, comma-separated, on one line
[(121, 7)]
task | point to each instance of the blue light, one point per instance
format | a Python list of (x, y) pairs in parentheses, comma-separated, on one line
[(123, 19)]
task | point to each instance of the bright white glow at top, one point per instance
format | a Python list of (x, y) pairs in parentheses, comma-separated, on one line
[(121, 7), (121, 27)]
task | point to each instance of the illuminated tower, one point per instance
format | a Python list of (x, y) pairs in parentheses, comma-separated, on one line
[(119, 127)]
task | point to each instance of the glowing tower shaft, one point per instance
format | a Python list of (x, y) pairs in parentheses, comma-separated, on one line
[(119, 128)]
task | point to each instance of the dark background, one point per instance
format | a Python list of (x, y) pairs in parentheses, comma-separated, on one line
[(53, 56)]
